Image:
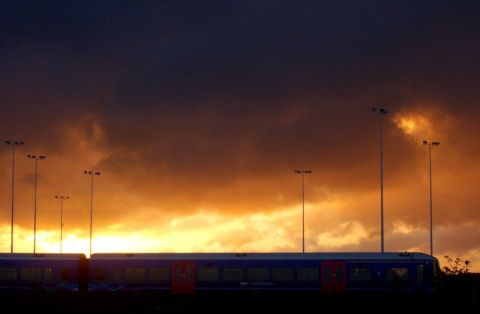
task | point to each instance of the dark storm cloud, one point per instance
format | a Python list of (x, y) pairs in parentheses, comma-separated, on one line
[(190, 78), (179, 56)]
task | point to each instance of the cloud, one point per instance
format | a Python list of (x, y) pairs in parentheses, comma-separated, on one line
[(197, 116)]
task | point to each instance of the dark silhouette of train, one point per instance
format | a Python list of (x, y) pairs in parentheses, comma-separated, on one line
[(193, 273)]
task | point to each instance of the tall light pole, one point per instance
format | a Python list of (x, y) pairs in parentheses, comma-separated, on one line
[(36, 158), (91, 174), (302, 172), (431, 207), (381, 112), (61, 198), (14, 144)]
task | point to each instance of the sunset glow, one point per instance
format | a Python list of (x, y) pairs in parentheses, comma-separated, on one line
[(196, 118)]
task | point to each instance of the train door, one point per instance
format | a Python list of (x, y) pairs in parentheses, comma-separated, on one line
[(333, 277), (183, 277)]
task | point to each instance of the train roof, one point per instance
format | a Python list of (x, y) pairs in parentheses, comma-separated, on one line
[(56, 256), (268, 256)]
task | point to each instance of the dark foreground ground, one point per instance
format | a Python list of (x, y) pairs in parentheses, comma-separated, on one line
[(155, 302)]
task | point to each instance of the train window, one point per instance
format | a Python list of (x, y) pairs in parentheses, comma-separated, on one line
[(178, 274), (257, 273), (420, 273), (233, 274), (307, 274), (47, 274), (117, 274), (7, 274), (208, 274), (188, 273), (328, 274), (338, 274), (100, 273), (31, 273), (282, 274), (158, 274), (397, 274), (135, 274), (359, 274)]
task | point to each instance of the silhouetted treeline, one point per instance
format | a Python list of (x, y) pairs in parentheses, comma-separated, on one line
[(463, 287)]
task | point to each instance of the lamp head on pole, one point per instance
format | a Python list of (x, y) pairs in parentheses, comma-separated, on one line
[(380, 110), (36, 157), (16, 143), (431, 144), (303, 171), (92, 173)]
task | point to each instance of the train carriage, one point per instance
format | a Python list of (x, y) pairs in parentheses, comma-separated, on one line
[(43, 271), (190, 273), (325, 273)]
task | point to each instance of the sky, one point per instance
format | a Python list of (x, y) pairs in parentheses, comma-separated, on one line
[(197, 114)]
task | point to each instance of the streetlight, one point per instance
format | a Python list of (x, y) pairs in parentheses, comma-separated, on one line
[(381, 112), (36, 158), (91, 173), (61, 198), (303, 205), (14, 144), (431, 211)]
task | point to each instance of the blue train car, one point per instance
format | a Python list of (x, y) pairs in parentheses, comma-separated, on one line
[(43, 272), (325, 273)]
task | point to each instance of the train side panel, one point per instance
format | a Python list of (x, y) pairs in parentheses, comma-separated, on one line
[(249, 274), (411, 277), (43, 272), (129, 272), (326, 273), (191, 273)]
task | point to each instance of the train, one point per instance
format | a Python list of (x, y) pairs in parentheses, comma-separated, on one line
[(325, 273)]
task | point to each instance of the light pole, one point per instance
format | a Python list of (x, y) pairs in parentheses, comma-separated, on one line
[(91, 173), (381, 112), (36, 158), (14, 144), (302, 172), (61, 198), (431, 207)]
